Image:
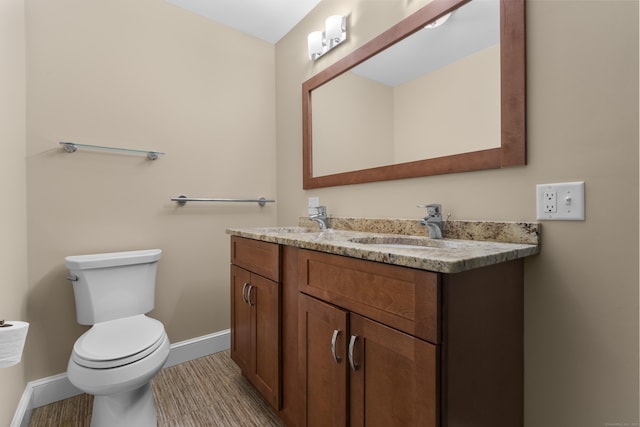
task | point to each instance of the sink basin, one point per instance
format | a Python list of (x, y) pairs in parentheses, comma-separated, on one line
[(406, 242)]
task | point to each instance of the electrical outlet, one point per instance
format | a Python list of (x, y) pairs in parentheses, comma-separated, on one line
[(550, 199), (563, 201)]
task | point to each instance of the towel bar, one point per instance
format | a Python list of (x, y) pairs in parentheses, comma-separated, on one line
[(72, 147), (182, 200)]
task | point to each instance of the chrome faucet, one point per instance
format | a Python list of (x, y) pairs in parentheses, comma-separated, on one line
[(433, 220), (320, 217)]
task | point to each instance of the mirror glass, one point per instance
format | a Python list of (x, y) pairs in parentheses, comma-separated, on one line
[(425, 100), (423, 85)]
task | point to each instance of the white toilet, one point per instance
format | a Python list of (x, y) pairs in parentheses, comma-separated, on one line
[(116, 359)]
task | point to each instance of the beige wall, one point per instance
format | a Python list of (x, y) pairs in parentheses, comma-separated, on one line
[(581, 320), (13, 250), (142, 75)]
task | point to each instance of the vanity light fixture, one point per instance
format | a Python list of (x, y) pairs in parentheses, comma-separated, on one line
[(321, 42), (439, 21), (316, 44)]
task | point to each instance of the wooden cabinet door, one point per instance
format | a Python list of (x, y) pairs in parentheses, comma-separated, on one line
[(323, 377), (395, 380), (240, 319), (262, 297), (255, 337)]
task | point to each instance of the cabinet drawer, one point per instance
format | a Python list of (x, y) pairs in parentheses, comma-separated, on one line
[(259, 257), (403, 298)]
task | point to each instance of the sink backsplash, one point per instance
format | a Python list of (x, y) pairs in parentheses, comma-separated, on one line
[(492, 231)]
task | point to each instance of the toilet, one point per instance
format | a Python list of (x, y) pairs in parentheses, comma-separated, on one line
[(124, 349)]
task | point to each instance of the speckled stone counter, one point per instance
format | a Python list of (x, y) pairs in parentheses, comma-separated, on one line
[(467, 244)]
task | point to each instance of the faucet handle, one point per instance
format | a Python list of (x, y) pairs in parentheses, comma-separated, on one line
[(320, 210), (434, 210)]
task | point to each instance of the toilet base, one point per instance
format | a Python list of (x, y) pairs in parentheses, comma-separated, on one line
[(133, 408)]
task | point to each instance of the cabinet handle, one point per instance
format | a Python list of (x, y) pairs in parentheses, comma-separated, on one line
[(244, 288), (251, 287), (334, 338), (352, 344)]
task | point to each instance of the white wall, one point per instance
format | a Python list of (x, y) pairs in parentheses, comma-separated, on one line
[(581, 319)]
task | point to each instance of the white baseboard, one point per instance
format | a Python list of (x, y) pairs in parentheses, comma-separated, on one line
[(57, 387), (194, 348)]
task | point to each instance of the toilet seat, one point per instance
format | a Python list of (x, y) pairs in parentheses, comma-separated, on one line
[(118, 342)]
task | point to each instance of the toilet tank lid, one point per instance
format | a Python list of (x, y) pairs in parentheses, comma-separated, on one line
[(83, 262)]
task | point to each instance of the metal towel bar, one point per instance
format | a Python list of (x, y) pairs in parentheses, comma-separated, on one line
[(72, 147), (182, 200)]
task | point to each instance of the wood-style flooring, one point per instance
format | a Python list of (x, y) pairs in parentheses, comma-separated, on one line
[(209, 391)]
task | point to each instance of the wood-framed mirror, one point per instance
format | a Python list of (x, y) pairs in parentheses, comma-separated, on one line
[(506, 146)]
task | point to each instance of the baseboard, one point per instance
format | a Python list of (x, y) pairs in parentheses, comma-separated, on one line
[(57, 387), (194, 348)]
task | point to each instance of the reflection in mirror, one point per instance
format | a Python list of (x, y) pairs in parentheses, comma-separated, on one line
[(425, 85), (432, 103)]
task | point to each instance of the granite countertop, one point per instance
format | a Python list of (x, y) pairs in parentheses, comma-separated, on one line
[(467, 244)]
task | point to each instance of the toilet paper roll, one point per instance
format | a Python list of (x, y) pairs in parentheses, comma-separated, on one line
[(12, 340)]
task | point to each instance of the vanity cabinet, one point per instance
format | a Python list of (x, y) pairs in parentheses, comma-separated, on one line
[(332, 340), (255, 314), (384, 345)]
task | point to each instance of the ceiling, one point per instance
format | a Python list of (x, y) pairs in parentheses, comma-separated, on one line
[(268, 20)]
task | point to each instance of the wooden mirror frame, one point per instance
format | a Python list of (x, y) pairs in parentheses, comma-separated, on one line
[(512, 150)]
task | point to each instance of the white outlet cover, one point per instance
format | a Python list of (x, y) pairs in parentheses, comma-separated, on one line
[(569, 201)]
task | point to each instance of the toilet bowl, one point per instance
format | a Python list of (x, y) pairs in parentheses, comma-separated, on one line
[(124, 349)]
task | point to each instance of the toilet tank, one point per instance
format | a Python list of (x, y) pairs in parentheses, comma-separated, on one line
[(113, 285)]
